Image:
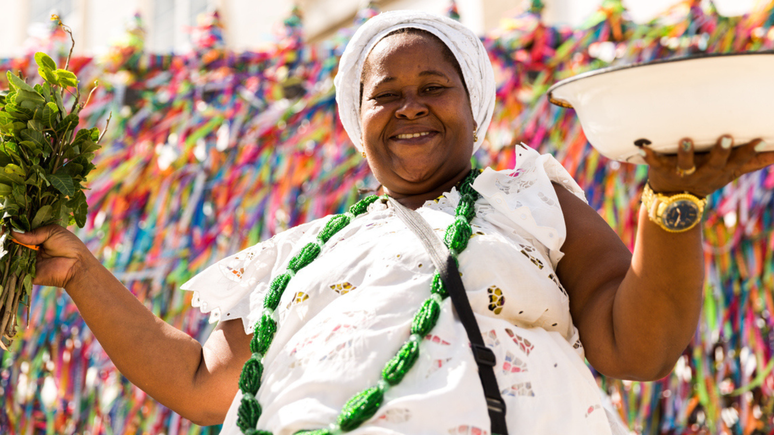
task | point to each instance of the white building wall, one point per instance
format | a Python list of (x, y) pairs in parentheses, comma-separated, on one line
[(249, 24)]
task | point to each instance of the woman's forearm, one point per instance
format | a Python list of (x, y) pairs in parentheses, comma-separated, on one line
[(153, 355), (657, 305)]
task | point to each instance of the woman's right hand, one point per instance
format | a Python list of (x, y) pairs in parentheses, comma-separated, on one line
[(61, 256)]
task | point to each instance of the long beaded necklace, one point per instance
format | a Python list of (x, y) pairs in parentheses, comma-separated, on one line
[(364, 404)]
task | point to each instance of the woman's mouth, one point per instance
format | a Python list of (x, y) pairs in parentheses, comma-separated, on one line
[(414, 137)]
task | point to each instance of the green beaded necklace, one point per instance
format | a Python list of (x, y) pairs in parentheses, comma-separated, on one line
[(364, 404)]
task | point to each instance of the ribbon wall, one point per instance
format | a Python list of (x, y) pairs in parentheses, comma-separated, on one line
[(212, 151)]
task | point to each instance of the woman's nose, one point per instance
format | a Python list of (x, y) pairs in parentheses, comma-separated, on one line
[(411, 108)]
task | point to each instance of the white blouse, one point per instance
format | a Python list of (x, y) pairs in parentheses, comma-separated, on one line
[(346, 314)]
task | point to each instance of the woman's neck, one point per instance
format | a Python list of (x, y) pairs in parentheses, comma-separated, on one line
[(414, 201)]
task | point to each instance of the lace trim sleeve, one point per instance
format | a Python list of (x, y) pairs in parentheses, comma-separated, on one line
[(225, 289), (526, 197)]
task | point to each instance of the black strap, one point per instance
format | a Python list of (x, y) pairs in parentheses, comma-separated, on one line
[(447, 268)]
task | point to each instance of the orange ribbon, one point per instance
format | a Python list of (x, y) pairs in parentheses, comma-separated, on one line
[(33, 247)]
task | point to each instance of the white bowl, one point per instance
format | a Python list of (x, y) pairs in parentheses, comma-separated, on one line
[(659, 103)]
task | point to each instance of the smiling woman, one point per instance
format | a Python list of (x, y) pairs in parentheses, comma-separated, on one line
[(416, 119), (344, 325)]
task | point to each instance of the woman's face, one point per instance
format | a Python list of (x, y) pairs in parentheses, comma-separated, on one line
[(415, 115)]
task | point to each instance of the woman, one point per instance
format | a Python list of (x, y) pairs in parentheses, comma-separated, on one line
[(548, 279)]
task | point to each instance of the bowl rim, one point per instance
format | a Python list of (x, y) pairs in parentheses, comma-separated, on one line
[(610, 69)]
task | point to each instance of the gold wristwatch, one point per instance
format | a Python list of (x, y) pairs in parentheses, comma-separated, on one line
[(673, 213)]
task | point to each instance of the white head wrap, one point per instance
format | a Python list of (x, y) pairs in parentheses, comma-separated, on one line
[(467, 48)]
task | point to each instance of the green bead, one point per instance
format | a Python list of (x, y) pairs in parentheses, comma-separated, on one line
[(437, 287), (466, 207), (248, 413), (426, 318), (467, 184), (250, 378), (277, 287), (457, 235), (400, 364), (263, 335), (314, 432), (360, 408), (333, 226), (257, 432), (302, 259), (362, 206)]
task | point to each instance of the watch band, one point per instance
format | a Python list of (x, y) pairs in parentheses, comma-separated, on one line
[(662, 208)]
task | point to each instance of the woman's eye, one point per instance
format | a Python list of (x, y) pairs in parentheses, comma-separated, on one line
[(433, 88), (384, 96)]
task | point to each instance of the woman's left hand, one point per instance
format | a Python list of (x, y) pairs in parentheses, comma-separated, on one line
[(703, 173)]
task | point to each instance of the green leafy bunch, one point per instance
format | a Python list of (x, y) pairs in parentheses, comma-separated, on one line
[(45, 162)]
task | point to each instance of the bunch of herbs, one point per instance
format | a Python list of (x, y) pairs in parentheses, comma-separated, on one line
[(45, 159)]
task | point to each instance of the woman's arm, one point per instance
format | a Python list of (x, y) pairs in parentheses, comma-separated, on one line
[(637, 312), (197, 382)]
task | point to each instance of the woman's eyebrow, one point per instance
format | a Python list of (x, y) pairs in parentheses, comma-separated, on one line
[(430, 72)]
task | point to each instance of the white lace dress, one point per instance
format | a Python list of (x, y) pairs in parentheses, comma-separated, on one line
[(346, 314)]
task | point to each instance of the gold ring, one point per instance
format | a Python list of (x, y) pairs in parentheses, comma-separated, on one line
[(683, 172)]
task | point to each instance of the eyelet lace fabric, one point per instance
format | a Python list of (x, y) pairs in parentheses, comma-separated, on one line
[(348, 312)]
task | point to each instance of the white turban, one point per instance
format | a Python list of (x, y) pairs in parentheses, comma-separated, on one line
[(466, 46)]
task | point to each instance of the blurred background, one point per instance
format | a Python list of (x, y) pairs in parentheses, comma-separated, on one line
[(224, 132), (249, 24)]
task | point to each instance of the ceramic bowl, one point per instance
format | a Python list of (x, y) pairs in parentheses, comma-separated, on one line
[(657, 104)]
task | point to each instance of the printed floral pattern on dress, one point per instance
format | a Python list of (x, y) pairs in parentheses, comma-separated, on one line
[(491, 340), (395, 415), (298, 298), (577, 344), (496, 299), (234, 269), (468, 430), (436, 339), (528, 251), (513, 364), (591, 409), (436, 365), (342, 288), (523, 343), (520, 389)]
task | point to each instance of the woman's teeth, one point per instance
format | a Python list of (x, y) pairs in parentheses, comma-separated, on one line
[(412, 135)]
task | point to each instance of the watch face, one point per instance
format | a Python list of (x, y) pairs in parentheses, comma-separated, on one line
[(680, 215)]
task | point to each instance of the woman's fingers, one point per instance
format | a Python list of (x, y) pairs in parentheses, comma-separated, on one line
[(719, 154), (35, 237), (685, 163)]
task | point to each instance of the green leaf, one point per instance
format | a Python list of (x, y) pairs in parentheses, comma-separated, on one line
[(35, 125), (59, 102), (68, 124), (49, 76), (44, 60), (52, 107), (10, 179), (24, 223), (36, 137), (18, 112), (15, 170), (42, 216), (5, 190), (63, 183), (31, 96), (28, 284), (50, 117), (80, 209), (17, 83), (66, 78)]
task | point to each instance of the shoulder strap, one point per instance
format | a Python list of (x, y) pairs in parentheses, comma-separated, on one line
[(447, 268)]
